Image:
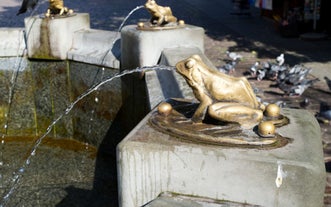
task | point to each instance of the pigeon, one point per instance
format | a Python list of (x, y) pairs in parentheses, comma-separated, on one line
[(294, 75), (281, 104), (328, 81), (27, 5), (234, 56), (228, 68), (266, 65), (297, 90), (280, 59), (324, 115), (268, 70), (261, 74), (254, 68), (305, 103)]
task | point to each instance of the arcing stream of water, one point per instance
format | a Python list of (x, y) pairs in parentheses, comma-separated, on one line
[(20, 171)]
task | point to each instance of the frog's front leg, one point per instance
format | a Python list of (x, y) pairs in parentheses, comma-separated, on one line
[(160, 20), (201, 111)]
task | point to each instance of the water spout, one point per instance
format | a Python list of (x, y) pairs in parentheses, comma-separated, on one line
[(119, 30)]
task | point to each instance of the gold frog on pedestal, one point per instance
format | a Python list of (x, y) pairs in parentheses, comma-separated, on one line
[(161, 18), (160, 15), (227, 112), (56, 7)]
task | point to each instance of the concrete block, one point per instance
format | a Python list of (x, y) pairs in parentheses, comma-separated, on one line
[(98, 47), (12, 42), (143, 48), (151, 162), (52, 38)]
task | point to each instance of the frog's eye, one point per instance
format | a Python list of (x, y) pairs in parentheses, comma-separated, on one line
[(190, 63)]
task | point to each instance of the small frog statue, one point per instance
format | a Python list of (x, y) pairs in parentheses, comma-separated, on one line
[(56, 7), (160, 15), (223, 97)]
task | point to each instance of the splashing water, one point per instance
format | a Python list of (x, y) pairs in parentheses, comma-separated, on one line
[(120, 29), (12, 86), (19, 173)]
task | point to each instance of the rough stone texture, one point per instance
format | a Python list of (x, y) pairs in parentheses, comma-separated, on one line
[(98, 47), (12, 42), (41, 91), (143, 48), (52, 38), (150, 162)]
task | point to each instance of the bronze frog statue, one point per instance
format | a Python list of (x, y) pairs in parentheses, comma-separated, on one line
[(160, 15), (56, 7), (223, 97)]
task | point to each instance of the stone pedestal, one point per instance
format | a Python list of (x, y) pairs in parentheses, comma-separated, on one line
[(96, 47), (144, 47), (49, 38), (151, 162), (12, 42)]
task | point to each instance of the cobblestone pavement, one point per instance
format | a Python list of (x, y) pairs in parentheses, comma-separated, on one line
[(253, 36)]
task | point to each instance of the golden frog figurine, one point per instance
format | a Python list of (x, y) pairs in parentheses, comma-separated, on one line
[(56, 7), (160, 15), (225, 98)]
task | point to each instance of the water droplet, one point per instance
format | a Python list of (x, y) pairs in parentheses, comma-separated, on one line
[(33, 153), (15, 177), (96, 100), (2, 141), (6, 126), (103, 69), (1, 163), (27, 162), (21, 170)]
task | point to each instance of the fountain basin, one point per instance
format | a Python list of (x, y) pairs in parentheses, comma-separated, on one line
[(42, 91), (48, 180), (39, 80)]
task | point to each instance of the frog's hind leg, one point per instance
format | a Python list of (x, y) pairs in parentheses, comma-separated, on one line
[(235, 113)]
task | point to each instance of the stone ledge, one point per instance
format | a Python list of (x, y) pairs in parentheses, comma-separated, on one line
[(144, 47), (151, 162), (52, 38), (12, 42), (97, 47)]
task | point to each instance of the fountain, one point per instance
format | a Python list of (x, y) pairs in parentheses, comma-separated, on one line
[(62, 92)]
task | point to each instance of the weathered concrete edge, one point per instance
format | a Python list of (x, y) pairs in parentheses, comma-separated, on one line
[(88, 46), (12, 42), (98, 47)]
